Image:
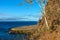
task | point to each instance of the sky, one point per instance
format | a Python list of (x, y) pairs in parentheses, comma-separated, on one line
[(11, 11)]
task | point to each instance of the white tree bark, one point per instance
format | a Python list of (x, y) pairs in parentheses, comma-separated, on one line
[(44, 13), (45, 18)]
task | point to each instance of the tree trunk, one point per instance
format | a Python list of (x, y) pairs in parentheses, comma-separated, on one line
[(52, 10)]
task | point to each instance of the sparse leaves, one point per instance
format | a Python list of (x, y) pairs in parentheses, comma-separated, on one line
[(29, 1)]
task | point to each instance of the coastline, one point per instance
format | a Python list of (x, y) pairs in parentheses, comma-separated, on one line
[(22, 29)]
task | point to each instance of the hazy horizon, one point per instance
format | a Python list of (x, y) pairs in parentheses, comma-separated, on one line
[(27, 12)]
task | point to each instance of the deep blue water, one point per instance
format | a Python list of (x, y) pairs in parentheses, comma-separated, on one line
[(4, 27)]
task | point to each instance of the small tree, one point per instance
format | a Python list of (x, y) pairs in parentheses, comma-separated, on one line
[(41, 3)]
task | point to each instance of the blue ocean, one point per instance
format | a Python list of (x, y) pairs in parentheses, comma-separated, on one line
[(5, 26)]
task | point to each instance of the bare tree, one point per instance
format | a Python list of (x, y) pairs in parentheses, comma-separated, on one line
[(40, 3)]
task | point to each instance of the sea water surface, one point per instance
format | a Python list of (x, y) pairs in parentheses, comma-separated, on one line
[(4, 27)]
